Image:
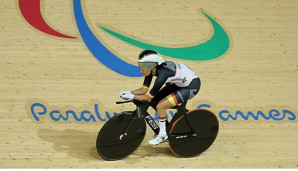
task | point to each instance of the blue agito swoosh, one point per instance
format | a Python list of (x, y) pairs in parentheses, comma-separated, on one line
[(215, 47), (101, 53)]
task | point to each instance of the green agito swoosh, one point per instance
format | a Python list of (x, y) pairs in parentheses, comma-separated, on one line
[(216, 46)]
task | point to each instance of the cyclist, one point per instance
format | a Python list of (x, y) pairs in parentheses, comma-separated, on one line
[(181, 84)]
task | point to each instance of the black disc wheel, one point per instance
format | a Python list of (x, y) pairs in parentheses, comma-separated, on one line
[(120, 136), (193, 133)]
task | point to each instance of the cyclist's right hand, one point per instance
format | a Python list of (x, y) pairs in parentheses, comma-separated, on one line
[(124, 92), (127, 96)]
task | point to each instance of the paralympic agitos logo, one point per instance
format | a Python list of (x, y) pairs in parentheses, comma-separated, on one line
[(213, 48)]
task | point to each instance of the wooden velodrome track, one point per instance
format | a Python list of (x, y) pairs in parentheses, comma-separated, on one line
[(42, 72)]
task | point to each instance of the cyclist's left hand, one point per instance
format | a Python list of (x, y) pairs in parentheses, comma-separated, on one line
[(127, 96)]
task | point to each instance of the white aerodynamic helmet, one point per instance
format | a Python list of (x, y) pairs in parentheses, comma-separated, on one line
[(148, 59)]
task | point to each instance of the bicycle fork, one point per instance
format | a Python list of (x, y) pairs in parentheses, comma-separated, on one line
[(141, 113)]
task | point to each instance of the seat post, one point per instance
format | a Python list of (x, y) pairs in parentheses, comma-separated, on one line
[(181, 109)]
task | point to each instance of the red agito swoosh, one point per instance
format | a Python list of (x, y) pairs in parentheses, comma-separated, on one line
[(30, 9)]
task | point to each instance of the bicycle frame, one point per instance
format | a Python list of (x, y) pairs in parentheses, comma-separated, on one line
[(141, 112)]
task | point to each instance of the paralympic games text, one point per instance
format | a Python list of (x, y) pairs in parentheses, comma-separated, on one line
[(39, 110)]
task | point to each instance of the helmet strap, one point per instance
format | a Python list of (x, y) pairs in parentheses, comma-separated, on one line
[(153, 71)]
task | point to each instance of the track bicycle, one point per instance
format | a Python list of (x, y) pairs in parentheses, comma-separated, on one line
[(190, 133)]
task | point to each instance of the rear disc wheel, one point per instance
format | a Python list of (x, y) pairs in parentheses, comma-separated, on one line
[(205, 128)]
